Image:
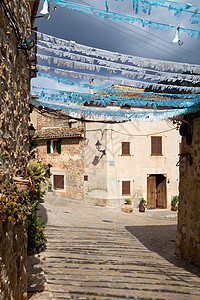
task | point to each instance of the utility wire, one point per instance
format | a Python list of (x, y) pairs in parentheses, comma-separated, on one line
[(149, 33)]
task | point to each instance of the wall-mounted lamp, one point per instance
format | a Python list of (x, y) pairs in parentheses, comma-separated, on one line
[(45, 10), (31, 130), (98, 146), (26, 44), (176, 39)]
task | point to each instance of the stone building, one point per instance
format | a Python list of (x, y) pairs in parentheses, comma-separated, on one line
[(16, 20), (188, 229), (60, 144), (15, 24)]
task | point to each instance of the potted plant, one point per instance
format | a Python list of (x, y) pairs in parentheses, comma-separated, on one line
[(142, 205), (174, 203), (127, 206)]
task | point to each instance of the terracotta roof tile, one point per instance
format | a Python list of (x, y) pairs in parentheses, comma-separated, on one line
[(59, 132)]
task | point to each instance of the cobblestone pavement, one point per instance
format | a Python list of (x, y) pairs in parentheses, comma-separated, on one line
[(103, 253)]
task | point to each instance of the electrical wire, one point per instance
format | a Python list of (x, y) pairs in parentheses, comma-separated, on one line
[(140, 29), (11, 18), (64, 116)]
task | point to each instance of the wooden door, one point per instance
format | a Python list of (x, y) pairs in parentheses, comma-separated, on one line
[(161, 191), (151, 191)]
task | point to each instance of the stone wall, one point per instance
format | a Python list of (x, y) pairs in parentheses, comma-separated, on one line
[(13, 241), (70, 162), (188, 230), (14, 90)]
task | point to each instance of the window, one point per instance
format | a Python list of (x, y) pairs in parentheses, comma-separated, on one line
[(54, 146), (156, 145), (126, 188), (85, 177), (58, 182), (125, 148)]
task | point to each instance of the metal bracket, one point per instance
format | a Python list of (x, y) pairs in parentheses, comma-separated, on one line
[(188, 156)]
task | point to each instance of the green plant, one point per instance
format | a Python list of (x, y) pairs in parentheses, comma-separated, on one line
[(175, 200), (36, 237), (37, 174), (14, 204), (128, 201), (143, 202)]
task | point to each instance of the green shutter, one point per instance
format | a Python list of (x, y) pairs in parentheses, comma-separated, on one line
[(59, 146), (48, 146)]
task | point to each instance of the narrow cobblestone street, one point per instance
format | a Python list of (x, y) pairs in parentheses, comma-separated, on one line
[(102, 253)]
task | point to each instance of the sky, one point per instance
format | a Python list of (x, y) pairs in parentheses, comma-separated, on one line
[(122, 37)]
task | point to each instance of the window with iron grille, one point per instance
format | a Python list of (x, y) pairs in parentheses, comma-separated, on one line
[(125, 148), (156, 145), (58, 182), (126, 188)]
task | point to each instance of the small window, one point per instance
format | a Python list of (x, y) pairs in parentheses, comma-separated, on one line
[(85, 177), (58, 182), (125, 148), (54, 146), (156, 145), (126, 188)]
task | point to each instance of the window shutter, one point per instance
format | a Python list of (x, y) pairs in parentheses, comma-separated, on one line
[(48, 146), (125, 148), (156, 145), (126, 190), (58, 181), (59, 146)]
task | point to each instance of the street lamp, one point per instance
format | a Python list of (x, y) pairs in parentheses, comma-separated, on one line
[(98, 146), (31, 130)]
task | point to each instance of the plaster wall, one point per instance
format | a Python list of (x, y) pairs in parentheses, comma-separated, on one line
[(115, 168), (95, 164)]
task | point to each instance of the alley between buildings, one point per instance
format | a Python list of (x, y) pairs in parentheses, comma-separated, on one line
[(95, 252)]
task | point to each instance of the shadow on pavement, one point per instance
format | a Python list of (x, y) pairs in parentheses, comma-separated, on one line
[(35, 276), (161, 240)]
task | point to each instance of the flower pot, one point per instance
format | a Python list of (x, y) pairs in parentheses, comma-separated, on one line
[(142, 208), (21, 183), (128, 208), (174, 208)]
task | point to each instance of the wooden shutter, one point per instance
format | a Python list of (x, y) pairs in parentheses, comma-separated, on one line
[(156, 145), (151, 191), (48, 146), (58, 181), (59, 146), (125, 148), (161, 191), (126, 187)]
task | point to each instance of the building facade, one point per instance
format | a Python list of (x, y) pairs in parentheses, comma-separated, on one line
[(188, 228), (139, 161), (60, 145)]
